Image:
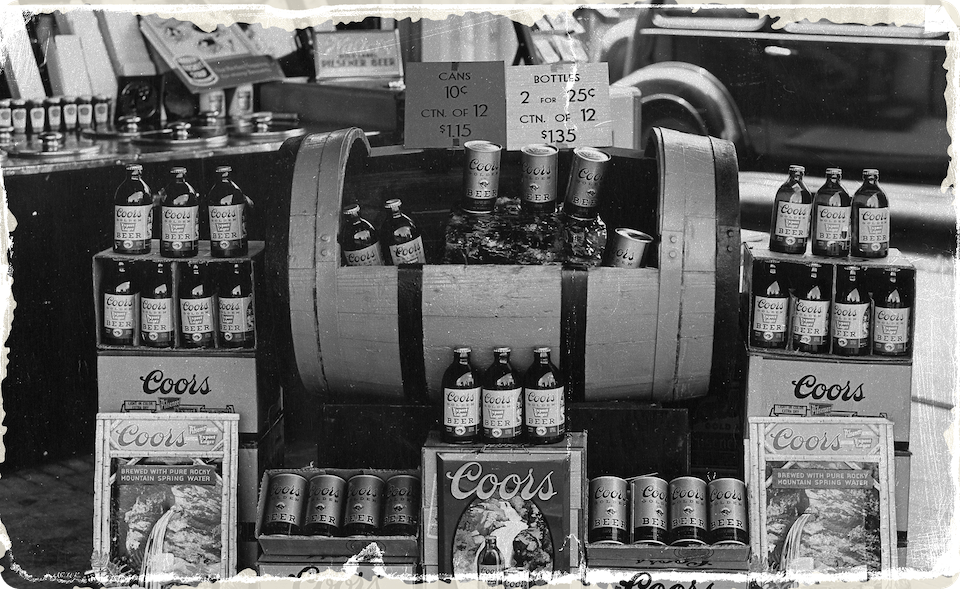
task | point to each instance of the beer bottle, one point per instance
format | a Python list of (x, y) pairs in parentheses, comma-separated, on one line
[(227, 212), (179, 213), (790, 223), (771, 298), (811, 311), (502, 409), (461, 400), (870, 218), (235, 307), (544, 400), (891, 316), (119, 305), (156, 307), (196, 307), (490, 563), (831, 218), (850, 327), (358, 240), (132, 214), (400, 237)]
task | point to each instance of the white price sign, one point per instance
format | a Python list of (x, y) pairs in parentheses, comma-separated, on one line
[(565, 104)]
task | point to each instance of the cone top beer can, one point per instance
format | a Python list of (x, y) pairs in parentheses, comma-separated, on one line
[(728, 511), (649, 514), (538, 180), (481, 176), (324, 515), (364, 498), (608, 510), (688, 511), (284, 506), (401, 505), (582, 198)]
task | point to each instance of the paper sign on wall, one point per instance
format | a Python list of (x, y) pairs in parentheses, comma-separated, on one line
[(448, 104)]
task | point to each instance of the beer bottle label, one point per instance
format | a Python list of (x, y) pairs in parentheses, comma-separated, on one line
[(410, 252), (101, 112), (793, 221), (179, 227), (461, 410), (833, 223), (84, 114), (873, 229), (368, 256), (70, 116), (19, 119), (118, 313), (489, 571), (544, 411), (236, 316), (810, 321), (770, 317), (851, 322), (196, 317), (891, 329), (156, 316), (54, 116), (6, 117), (132, 225), (37, 118), (502, 411), (226, 225)]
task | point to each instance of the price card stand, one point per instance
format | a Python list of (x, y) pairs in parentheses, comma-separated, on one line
[(165, 505)]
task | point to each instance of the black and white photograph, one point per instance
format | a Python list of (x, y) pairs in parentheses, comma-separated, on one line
[(657, 294)]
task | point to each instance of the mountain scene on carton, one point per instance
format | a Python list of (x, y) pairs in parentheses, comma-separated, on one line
[(824, 530), (522, 533)]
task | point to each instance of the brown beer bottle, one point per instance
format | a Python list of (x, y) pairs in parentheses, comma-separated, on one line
[(811, 315), (490, 563), (235, 307), (790, 223), (119, 305), (196, 307), (461, 400), (544, 402), (502, 408), (891, 316), (358, 239), (156, 307), (850, 327), (870, 218), (179, 213), (771, 297), (132, 214), (831, 218), (400, 237), (227, 210)]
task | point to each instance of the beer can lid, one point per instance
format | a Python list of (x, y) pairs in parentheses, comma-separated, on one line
[(462, 350), (592, 154), (834, 171), (178, 170), (392, 203), (501, 350), (871, 172), (797, 168), (539, 149), (222, 169), (354, 208), (481, 145)]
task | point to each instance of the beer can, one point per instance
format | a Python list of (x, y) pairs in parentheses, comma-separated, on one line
[(728, 511), (325, 505), (364, 498), (649, 515), (608, 510), (688, 512), (538, 168), (401, 506), (102, 106), (284, 505), (481, 176), (213, 101), (626, 248), (589, 168)]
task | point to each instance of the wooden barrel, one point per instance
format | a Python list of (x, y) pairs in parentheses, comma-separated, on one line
[(386, 333)]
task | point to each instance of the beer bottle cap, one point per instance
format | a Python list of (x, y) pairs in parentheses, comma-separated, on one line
[(542, 350), (836, 171), (796, 168), (463, 350), (871, 172), (178, 171), (393, 203), (134, 168), (501, 350), (224, 169), (350, 209)]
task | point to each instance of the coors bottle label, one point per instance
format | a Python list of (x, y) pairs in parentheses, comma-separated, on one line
[(132, 225), (156, 316), (793, 220), (833, 223), (891, 329), (410, 252), (874, 228), (236, 315), (118, 312), (810, 320), (226, 224), (502, 411), (770, 316), (196, 317), (851, 322), (461, 410), (179, 226), (544, 411), (368, 256)]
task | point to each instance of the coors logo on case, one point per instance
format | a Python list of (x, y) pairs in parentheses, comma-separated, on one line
[(523, 504)]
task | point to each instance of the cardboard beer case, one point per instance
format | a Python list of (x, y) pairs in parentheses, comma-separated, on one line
[(532, 499), (301, 566)]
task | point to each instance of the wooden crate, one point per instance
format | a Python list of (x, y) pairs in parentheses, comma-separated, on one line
[(386, 332)]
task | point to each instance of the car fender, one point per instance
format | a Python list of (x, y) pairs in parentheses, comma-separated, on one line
[(685, 85)]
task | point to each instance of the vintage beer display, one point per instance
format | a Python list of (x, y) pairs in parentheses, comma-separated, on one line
[(401, 506), (609, 510), (650, 510), (325, 505), (544, 400), (157, 310), (502, 406), (771, 299), (688, 511), (227, 210), (461, 400), (400, 237), (481, 177), (358, 239), (538, 180), (850, 324), (363, 505), (133, 214), (285, 505), (179, 217), (870, 218), (120, 301), (790, 225), (727, 509), (831, 217), (235, 313)]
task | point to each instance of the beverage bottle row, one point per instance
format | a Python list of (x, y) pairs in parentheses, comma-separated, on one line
[(207, 308), (835, 224), (58, 114), (498, 406), (227, 213), (397, 242), (853, 322)]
